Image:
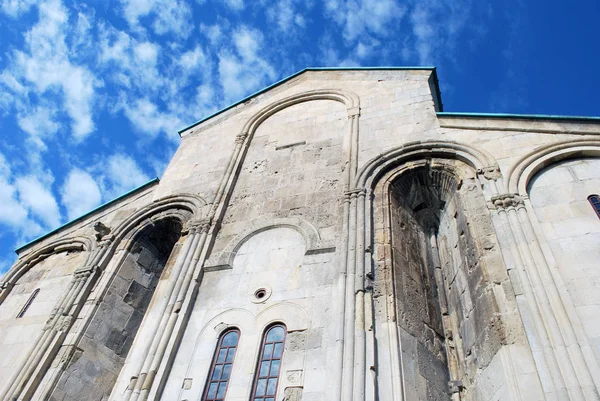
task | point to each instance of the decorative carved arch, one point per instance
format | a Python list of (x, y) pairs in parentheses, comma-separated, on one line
[(171, 206), (292, 315), (349, 99), (479, 159), (61, 245), (522, 172), (312, 239)]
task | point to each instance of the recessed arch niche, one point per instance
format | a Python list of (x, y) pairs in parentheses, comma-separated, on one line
[(438, 266), (105, 345)]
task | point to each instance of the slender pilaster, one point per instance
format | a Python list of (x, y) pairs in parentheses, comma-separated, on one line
[(565, 364), (27, 377), (142, 382)]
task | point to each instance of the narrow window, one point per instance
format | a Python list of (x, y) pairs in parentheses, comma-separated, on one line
[(595, 202), (28, 303), (269, 364), (220, 370)]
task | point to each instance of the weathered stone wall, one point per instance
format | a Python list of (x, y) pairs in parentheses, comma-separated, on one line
[(94, 367), (17, 336), (418, 308), (292, 224), (559, 195)]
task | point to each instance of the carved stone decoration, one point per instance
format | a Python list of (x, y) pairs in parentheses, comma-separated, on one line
[(101, 230), (491, 173), (195, 226), (241, 138), (507, 201)]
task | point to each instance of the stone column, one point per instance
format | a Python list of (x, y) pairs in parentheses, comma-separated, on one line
[(146, 368), (562, 355), (31, 371)]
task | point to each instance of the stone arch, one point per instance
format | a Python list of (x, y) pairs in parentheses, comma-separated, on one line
[(522, 171), (136, 269), (349, 99), (293, 316), (431, 233), (479, 159), (78, 244), (312, 239), (181, 204)]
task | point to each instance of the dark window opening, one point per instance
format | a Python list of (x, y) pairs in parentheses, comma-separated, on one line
[(266, 377), (595, 202), (28, 303), (220, 370)]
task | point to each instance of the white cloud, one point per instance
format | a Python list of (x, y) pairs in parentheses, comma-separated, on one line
[(168, 16), (193, 59), (436, 27), (283, 13), (244, 69), (133, 62), (123, 174), (15, 8), (79, 193), (214, 33), (46, 69), (38, 122), (12, 213), (235, 5), (38, 199), (146, 118), (358, 17)]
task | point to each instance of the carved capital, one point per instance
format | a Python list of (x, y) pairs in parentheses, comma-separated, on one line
[(64, 323), (239, 139), (507, 201), (491, 173), (84, 271), (195, 226), (353, 112)]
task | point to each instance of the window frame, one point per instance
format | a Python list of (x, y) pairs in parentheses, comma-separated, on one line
[(214, 363), (27, 304), (594, 201), (260, 360)]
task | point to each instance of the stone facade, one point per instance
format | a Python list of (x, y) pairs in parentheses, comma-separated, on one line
[(410, 254)]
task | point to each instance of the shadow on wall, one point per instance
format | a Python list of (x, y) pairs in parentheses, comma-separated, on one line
[(101, 353), (444, 301)]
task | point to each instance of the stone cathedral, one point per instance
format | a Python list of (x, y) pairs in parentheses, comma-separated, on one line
[(334, 237)]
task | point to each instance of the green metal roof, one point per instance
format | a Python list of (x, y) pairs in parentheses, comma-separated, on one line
[(427, 68), (517, 116), (97, 209)]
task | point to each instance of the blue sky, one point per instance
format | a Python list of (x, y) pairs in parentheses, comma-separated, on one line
[(92, 94)]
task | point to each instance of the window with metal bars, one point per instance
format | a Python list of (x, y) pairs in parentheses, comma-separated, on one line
[(28, 303), (220, 370), (266, 377), (595, 202)]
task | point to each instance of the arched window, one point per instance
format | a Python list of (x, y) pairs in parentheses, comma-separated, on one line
[(28, 303), (595, 202), (220, 370), (269, 364)]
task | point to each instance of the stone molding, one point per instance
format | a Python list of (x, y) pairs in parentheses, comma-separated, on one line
[(527, 166), (516, 124), (477, 158), (79, 244), (314, 244)]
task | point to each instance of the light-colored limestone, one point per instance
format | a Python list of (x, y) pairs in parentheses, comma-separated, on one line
[(486, 290)]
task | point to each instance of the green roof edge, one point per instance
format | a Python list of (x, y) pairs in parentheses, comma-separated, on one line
[(83, 216), (438, 95), (522, 116)]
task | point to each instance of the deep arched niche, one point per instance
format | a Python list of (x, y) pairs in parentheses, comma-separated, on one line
[(438, 253), (102, 351)]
